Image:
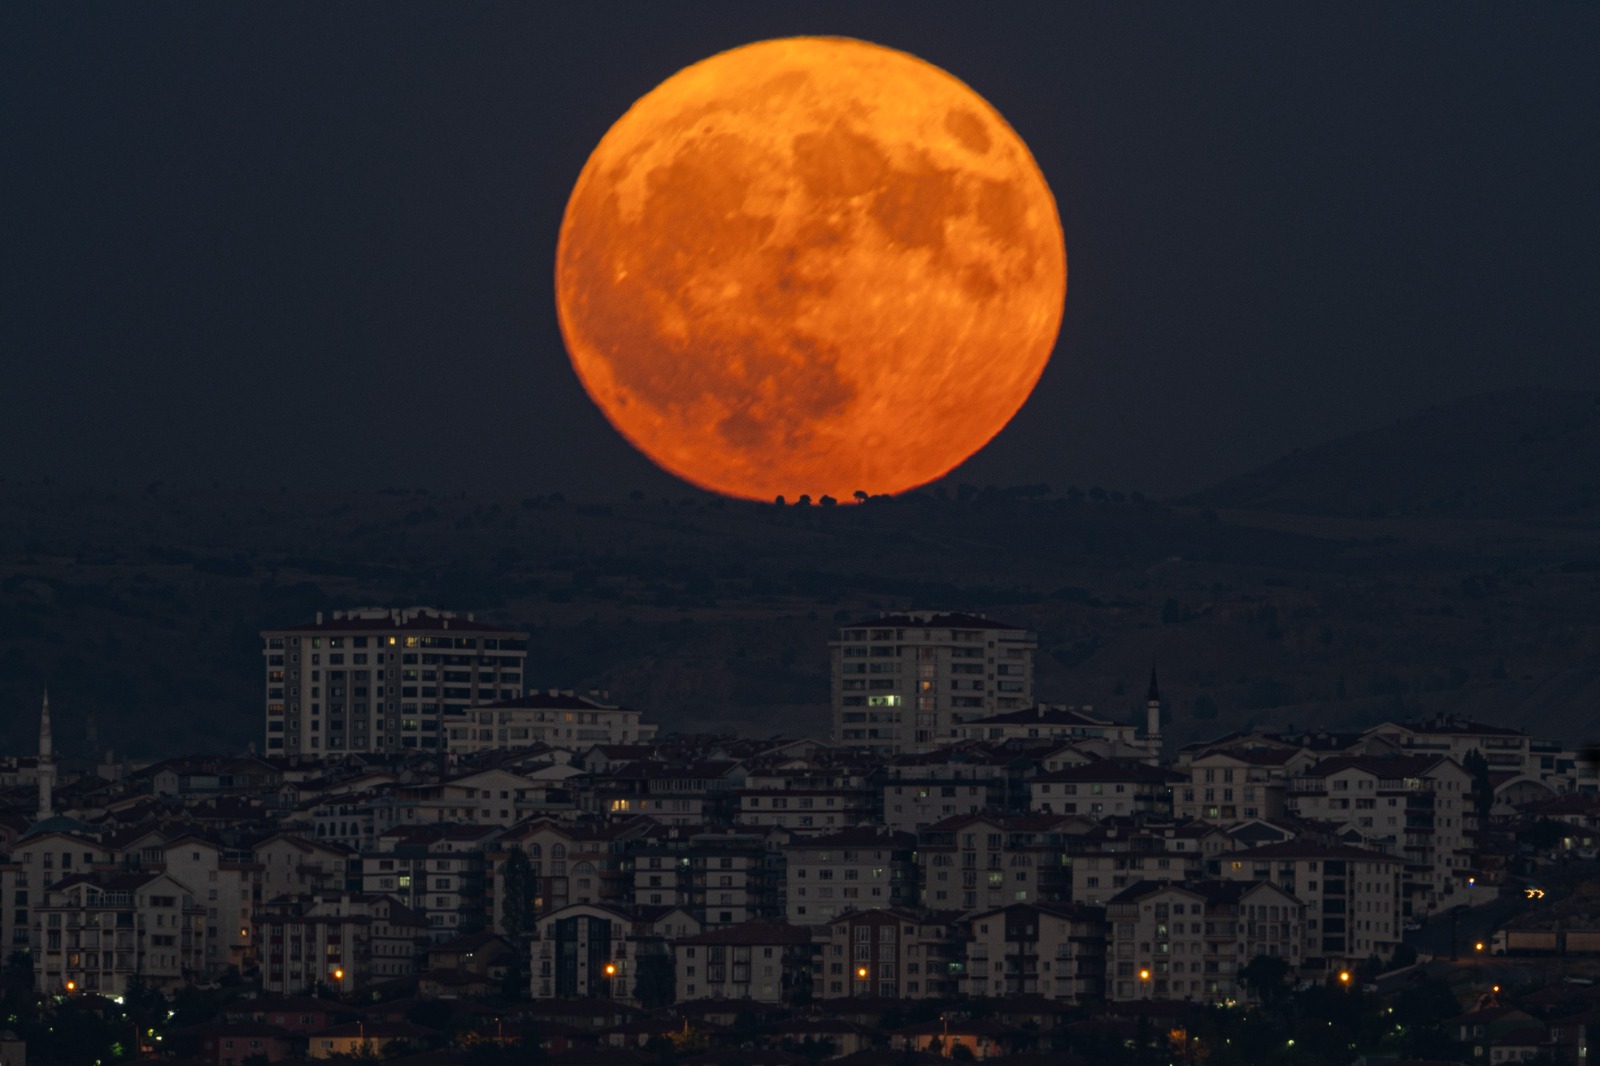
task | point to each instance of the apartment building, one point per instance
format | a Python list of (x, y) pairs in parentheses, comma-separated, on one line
[(1233, 784), (98, 930), (992, 861), (1105, 788), (808, 795), (42, 857), (1110, 857), (759, 961), (436, 872), (345, 941), (380, 680), (723, 877), (292, 864), (1418, 808), (920, 789), (1189, 941), (679, 794), (1507, 751), (908, 682), (1054, 950), (226, 883), (1352, 896), (869, 867), (1049, 722), (888, 953), (558, 717)]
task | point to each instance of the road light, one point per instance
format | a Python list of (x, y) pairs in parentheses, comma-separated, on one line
[(611, 969), (1344, 977), (72, 986), (338, 975), (861, 973), (1478, 946)]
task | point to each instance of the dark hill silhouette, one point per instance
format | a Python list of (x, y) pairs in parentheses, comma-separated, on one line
[(1523, 454)]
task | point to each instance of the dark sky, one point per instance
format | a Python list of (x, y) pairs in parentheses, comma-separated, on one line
[(311, 244)]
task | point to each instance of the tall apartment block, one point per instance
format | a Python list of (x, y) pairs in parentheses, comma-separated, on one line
[(905, 682), (379, 680)]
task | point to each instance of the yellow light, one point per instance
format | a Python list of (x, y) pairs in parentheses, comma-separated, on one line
[(1478, 946), (338, 975), (861, 972), (1144, 975), (1497, 990), (1344, 976), (611, 969), (72, 986)]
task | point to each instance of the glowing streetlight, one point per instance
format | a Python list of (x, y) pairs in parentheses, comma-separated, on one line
[(72, 986), (1344, 977), (611, 969), (861, 973), (1144, 975), (1478, 946), (338, 975)]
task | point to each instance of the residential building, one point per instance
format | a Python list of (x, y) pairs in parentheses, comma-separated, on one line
[(1055, 950), (758, 961), (857, 869), (379, 680), (891, 953), (907, 682), (99, 930), (1352, 896), (993, 860), (1418, 808), (1233, 784), (558, 717), (1106, 788), (1189, 941), (343, 941), (920, 789), (1446, 736)]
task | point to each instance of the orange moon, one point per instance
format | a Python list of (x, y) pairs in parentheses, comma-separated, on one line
[(810, 265)]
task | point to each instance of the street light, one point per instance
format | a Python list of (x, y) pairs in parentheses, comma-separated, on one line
[(72, 986), (1478, 946), (611, 969), (861, 973), (1144, 975), (1344, 977)]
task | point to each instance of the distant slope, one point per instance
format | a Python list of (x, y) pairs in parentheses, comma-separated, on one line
[(1528, 453)]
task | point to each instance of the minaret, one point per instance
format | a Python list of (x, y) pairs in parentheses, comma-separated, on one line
[(47, 763), (1152, 712)]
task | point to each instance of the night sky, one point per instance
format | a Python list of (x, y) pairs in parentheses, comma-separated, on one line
[(312, 244)]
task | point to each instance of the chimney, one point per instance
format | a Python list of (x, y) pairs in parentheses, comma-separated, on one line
[(319, 618)]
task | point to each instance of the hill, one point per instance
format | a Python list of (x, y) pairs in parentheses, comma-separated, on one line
[(1532, 452), (142, 609)]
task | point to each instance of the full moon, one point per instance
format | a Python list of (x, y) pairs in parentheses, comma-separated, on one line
[(810, 266)]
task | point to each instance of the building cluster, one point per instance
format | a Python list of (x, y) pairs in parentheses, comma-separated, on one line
[(419, 820)]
